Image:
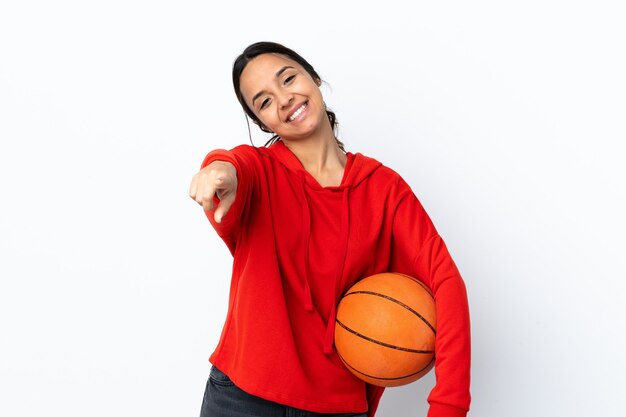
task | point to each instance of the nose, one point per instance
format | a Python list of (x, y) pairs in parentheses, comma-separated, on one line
[(285, 98)]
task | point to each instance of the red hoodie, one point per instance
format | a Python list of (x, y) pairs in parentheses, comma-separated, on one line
[(297, 247)]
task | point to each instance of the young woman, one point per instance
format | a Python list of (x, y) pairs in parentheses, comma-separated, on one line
[(305, 220)]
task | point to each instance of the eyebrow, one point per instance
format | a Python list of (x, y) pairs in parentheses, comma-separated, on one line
[(278, 73)]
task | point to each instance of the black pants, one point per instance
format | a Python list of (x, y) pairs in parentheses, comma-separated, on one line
[(222, 398)]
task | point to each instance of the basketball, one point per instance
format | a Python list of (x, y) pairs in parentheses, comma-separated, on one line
[(385, 329)]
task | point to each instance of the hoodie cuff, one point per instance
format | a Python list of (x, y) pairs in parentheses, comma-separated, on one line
[(443, 410)]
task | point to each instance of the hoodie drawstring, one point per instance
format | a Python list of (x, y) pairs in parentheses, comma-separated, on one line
[(342, 252), (343, 249), (306, 216)]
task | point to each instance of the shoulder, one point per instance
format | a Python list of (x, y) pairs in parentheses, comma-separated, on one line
[(247, 150), (247, 154), (382, 172)]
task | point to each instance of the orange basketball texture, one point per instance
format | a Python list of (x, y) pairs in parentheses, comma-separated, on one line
[(385, 329)]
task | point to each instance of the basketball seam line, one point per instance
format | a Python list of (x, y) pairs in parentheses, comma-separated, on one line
[(386, 378), (397, 302), (382, 343), (419, 282)]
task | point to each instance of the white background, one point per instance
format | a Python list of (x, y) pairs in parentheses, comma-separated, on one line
[(506, 118)]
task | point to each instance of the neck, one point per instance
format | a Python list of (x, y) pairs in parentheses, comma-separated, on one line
[(320, 155)]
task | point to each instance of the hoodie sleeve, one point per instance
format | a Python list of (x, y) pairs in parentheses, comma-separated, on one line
[(244, 162), (374, 393), (419, 251)]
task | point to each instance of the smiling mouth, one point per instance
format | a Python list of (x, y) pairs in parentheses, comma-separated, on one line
[(298, 112)]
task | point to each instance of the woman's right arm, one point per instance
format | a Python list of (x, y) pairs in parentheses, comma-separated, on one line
[(224, 187)]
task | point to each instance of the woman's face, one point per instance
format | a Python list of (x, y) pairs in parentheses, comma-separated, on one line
[(283, 96)]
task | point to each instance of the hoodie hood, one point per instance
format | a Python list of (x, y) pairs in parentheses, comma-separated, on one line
[(358, 168)]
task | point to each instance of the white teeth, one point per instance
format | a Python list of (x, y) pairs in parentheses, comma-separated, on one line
[(297, 113)]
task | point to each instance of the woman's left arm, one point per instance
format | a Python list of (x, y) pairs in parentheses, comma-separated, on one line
[(419, 251)]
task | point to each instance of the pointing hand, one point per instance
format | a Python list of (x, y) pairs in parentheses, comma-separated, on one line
[(218, 178)]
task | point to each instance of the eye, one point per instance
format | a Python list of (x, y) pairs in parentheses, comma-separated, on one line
[(264, 103), (289, 79)]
